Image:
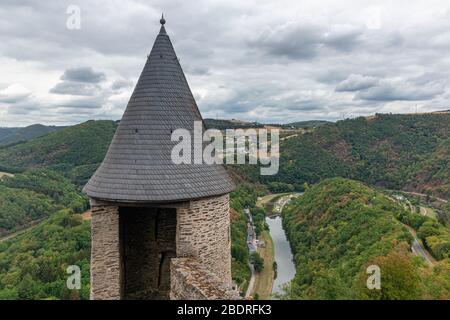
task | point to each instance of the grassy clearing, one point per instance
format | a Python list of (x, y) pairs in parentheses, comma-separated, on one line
[(262, 201), (264, 279), (428, 212)]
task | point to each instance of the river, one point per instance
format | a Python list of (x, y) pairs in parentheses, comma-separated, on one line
[(283, 254)]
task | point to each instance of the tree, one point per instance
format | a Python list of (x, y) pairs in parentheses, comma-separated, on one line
[(400, 278), (257, 261), (427, 229), (27, 288)]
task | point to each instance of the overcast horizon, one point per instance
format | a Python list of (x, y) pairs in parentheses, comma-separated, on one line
[(265, 61)]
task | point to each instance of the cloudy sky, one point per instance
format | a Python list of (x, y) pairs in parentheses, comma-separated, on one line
[(259, 60)]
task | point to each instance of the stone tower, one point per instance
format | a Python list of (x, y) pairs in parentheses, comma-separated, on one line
[(155, 222)]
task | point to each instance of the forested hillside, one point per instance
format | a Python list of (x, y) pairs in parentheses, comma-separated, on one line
[(340, 226), (393, 151), (34, 195), (335, 228), (14, 135), (230, 124), (33, 265), (306, 124), (75, 151)]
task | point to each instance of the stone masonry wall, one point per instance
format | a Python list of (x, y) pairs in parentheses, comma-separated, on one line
[(190, 280), (105, 253), (203, 232), (201, 269)]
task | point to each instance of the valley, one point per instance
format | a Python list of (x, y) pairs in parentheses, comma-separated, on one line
[(335, 194)]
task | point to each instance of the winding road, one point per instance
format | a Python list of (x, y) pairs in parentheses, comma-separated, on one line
[(251, 244), (418, 250), (416, 246), (424, 195), (30, 226), (251, 283)]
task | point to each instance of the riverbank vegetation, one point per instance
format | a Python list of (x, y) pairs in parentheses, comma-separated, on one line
[(339, 226), (244, 196), (264, 279)]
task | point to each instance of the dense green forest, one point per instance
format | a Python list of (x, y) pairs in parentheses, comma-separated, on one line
[(335, 229), (33, 265), (394, 151), (340, 226), (230, 124), (15, 135), (75, 151), (33, 195)]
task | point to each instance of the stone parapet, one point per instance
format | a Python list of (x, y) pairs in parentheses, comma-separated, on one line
[(190, 280), (106, 271)]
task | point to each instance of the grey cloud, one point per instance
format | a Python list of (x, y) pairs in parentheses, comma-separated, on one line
[(83, 74), (21, 109), (305, 41), (24, 107), (330, 76), (13, 98), (306, 105), (82, 103), (301, 42), (400, 91), (120, 84), (196, 70), (255, 60), (83, 81), (356, 82), (75, 88), (342, 40), (236, 107)]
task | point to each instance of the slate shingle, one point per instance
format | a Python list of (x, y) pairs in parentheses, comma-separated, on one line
[(138, 165)]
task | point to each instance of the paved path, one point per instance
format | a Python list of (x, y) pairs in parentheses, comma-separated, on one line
[(418, 248), (252, 247), (424, 195), (85, 216), (15, 234), (251, 282), (289, 137)]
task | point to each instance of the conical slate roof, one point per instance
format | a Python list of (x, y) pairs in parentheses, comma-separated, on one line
[(138, 165)]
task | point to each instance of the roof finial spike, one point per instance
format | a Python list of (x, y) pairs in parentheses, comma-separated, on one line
[(162, 21)]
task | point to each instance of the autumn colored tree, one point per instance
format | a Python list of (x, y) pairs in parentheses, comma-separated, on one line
[(400, 278)]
